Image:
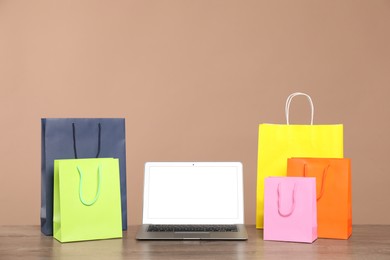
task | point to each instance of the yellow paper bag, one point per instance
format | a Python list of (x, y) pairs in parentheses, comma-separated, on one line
[(279, 142)]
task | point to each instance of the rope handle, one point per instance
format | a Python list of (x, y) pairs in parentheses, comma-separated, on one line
[(81, 187), (288, 102), (74, 140), (292, 206), (324, 173)]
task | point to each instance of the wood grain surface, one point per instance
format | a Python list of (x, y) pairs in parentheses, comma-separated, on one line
[(27, 242)]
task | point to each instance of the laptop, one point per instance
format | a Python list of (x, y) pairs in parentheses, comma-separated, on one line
[(193, 200)]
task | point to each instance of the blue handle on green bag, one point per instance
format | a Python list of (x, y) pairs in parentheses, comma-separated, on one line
[(81, 187)]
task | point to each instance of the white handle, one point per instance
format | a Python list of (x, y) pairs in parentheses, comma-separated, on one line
[(288, 101)]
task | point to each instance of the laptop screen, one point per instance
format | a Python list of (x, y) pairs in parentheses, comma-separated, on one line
[(193, 193)]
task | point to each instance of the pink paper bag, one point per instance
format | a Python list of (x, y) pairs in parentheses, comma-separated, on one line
[(290, 209)]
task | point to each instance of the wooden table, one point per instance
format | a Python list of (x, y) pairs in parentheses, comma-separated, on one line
[(26, 242)]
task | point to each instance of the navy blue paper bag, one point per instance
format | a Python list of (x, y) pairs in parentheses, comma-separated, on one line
[(72, 138)]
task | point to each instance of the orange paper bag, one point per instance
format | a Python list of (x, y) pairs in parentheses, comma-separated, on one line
[(334, 194)]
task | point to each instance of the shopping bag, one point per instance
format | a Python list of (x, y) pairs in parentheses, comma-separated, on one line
[(334, 193), (290, 211), (71, 138), (87, 199), (277, 143)]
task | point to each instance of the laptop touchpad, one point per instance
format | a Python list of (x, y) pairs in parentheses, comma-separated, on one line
[(191, 235)]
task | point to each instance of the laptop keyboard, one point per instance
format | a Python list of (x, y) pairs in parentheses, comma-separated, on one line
[(192, 228)]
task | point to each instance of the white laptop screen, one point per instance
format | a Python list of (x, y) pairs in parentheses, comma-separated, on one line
[(193, 193)]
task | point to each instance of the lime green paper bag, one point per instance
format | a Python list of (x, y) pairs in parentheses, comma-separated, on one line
[(87, 199)]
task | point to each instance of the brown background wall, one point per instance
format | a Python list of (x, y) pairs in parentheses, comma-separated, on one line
[(193, 80)]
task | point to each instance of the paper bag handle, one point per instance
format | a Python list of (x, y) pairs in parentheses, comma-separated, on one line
[(81, 187), (288, 102), (324, 173), (74, 140), (292, 206)]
